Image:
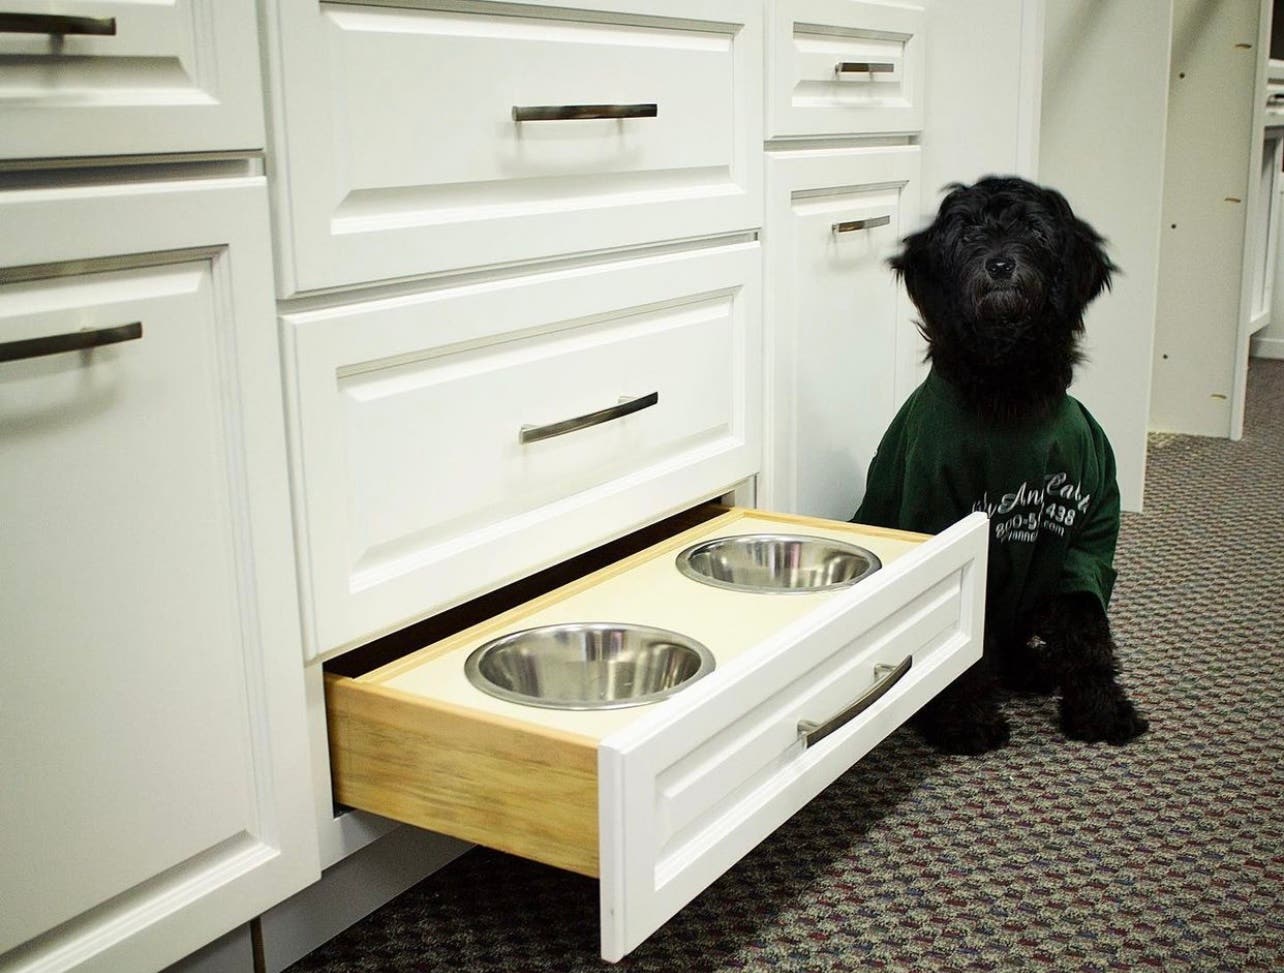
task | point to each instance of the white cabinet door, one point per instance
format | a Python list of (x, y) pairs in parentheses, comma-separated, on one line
[(414, 140), (152, 727), (124, 77), (845, 352)]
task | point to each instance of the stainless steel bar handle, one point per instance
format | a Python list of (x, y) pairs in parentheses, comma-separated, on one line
[(864, 67), (56, 24), (56, 344), (888, 676), (627, 406), (868, 224), (559, 113)]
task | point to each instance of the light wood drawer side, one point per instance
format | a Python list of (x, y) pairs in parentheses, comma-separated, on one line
[(528, 792)]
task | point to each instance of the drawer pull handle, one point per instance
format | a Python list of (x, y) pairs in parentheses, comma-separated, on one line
[(627, 406), (561, 113), (868, 224), (864, 67), (888, 676), (56, 24), (56, 344)]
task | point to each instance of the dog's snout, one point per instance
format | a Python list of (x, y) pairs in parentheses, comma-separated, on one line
[(1000, 268)]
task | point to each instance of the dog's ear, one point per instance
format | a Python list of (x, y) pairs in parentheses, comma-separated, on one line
[(917, 262), (912, 263), (1088, 267)]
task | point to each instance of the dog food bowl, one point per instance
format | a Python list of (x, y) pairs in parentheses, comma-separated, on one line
[(587, 666), (777, 563)]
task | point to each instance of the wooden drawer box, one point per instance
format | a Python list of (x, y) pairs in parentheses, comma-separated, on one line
[(128, 78), (844, 67), (417, 141), (418, 486), (657, 801)]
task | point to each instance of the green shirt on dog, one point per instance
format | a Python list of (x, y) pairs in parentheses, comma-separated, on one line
[(1047, 484)]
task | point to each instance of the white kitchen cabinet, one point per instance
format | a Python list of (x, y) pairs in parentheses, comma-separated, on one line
[(414, 140), (151, 701), (844, 67), (844, 349), (123, 77), (658, 800), (452, 278), (453, 265), (845, 108)]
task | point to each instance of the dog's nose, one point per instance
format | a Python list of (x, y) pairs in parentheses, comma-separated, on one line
[(1000, 267)]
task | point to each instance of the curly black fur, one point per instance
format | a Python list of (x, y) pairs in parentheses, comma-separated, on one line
[(1001, 279)]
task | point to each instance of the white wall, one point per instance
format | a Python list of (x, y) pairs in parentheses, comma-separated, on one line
[(982, 100), (1102, 138), (1200, 353), (1269, 341)]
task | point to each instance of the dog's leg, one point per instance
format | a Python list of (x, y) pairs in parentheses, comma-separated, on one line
[(1024, 665), (964, 717), (1093, 704)]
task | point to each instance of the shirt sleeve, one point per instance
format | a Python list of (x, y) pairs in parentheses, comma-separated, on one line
[(884, 486), (1089, 563)]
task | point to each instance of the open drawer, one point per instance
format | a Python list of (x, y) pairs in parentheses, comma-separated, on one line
[(658, 800)]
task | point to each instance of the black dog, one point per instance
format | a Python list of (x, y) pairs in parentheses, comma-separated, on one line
[(1001, 279)]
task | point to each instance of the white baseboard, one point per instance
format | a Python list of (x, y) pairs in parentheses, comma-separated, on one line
[(350, 890), (233, 953), (1266, 348)]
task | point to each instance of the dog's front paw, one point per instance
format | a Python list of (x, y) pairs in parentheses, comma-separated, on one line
[(1101, 712), (970, 731)]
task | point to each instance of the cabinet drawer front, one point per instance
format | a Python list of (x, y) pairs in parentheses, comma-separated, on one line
[(833, 219), (128, 78), (687, 792), (844, 67), (421, 140), (418, 489)]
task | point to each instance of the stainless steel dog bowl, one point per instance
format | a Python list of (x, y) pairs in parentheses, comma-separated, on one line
[(779, 563), (587, 666)]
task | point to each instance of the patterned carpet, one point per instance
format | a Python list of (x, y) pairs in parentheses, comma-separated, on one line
[(1167, 854)]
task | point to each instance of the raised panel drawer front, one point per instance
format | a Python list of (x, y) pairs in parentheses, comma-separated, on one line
[(151, 699), (124, 77), (846, 352), (838, 67), (658, 800), (415, 140), (452, 440)]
